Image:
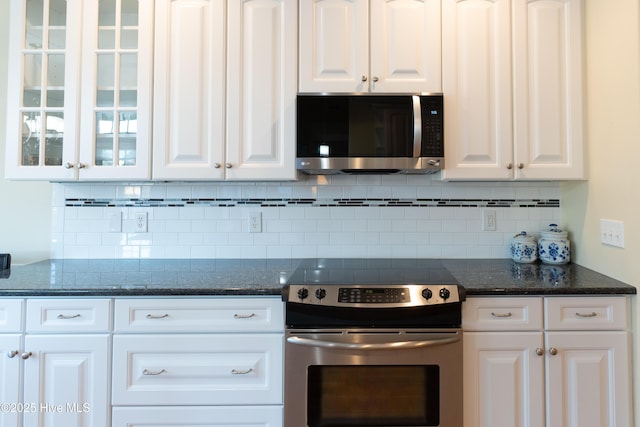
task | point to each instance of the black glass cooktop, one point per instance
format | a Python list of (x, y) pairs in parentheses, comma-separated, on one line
[(371, 271)]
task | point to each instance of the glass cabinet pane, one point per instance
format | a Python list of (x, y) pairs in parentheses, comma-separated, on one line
[(117, 85), (44, 70)]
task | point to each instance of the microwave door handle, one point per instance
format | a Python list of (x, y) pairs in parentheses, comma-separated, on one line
[(396, 345), (417, 126)]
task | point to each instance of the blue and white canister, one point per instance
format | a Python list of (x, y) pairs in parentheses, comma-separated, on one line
[(554, 246), (524, 248)]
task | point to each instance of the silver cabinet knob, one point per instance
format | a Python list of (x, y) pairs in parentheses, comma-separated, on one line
[(539, 351), (520, 165), (553, 351), (217, 165), (375, 79), (228, 165), (68, 165), (509, 166), (364, 78), (13, 353), (81, 165), (26, 355)]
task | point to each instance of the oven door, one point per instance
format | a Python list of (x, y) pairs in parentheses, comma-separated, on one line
[(373, 377)]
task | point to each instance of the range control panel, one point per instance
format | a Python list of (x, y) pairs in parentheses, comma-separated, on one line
[(374, 296)]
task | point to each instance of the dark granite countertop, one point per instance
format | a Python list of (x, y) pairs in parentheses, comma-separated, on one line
[(255, 277)]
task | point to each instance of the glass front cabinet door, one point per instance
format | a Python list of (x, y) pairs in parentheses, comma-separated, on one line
[(79, 95)]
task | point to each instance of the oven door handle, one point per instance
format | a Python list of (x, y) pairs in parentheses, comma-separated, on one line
[(394, 345)]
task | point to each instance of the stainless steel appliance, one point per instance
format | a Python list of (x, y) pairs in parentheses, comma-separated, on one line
[(373, 343), (370, 134)]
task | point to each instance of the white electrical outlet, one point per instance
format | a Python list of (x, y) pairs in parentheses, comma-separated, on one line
[(140, 222), (612, 233), (489, 220), (255, 222)]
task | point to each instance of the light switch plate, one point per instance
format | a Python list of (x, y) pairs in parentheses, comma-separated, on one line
[(115, 222), (612, 232)]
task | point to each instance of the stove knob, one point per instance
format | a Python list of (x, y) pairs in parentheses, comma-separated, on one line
[(427, 294), (321, 293), (303, 293), (444, 293)]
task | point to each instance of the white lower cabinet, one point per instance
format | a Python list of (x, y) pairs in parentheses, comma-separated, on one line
[(570, 370), (169, 370), (55, 372)]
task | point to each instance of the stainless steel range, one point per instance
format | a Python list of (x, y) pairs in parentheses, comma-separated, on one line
[(373, 343)]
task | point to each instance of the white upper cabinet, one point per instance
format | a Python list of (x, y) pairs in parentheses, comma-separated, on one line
[(79, 101), (189, 90), (512, 79), (117, 83), (225, 116), (370, 46), (261, 89)]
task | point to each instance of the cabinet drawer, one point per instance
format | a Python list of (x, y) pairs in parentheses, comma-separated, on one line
[(199, 315), (254, 416), (10, 315), (197, 369), (68, 315), (502, 314), (586, 313)]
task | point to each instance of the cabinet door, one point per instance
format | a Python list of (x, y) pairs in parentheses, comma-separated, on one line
[(476, 62), (588, 381), (116, 90), (10, 372), (334, 46), (69, 375), (261, 91), (189, 90), (43, 89), (548, 82), (405, 46), (503, 379)]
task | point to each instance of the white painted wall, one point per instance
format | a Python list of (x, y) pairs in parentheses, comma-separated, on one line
[(25, 207), (613, 129)]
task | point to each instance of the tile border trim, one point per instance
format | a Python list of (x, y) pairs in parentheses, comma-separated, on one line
[(305, 202)]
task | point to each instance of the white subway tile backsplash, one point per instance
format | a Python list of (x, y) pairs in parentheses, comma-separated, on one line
[(322, 216)]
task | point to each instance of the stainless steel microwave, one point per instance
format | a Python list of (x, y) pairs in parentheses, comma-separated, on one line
[(376, 134)]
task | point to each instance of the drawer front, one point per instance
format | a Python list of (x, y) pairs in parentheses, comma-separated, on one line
[(11, 315), (68, 315), (586, 313), (199, 315), (254, 416), (197, 369), (502, 314)]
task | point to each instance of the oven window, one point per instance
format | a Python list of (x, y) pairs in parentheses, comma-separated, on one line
[(373, 395)]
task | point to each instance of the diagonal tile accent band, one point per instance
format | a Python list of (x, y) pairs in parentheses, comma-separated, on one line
[(349, 202)]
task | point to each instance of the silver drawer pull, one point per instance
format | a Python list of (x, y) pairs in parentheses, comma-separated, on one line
[(153, 316), (501, 315), (66, 316), (244, 316), (592, 314), (148, 372), (241, 371)]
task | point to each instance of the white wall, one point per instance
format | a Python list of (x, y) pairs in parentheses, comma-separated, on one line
[(613, 129), (25, 207)]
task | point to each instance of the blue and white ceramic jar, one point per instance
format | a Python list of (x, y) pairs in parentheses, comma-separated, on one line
[(554, 246), (524, 248)]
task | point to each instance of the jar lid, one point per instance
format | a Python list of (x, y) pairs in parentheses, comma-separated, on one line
[(554, 232), (523, 237)]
